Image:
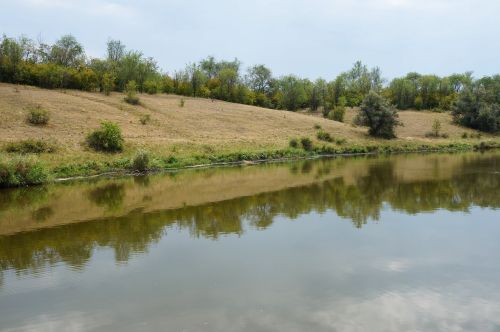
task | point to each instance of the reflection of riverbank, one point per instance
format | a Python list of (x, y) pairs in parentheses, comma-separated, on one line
[(373, 179), (471, 182)]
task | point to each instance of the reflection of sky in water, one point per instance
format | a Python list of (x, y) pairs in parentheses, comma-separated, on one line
[(423, 272)]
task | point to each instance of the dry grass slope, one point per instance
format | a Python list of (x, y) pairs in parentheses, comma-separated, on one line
[(201, 126)]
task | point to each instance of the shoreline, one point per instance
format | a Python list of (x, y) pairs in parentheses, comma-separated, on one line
[(292, 155)]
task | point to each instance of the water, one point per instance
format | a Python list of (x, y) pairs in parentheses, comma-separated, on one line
[(395, 243)]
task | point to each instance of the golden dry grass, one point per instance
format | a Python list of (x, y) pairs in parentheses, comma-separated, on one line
[(200, 126)]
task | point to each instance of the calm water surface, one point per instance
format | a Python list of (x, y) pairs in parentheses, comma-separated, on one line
[(395, 243)]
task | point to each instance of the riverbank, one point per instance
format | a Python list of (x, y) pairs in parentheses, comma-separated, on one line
[(179, 132), (120, 165)]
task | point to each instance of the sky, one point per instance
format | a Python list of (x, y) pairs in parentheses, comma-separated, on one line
[(309, 38)]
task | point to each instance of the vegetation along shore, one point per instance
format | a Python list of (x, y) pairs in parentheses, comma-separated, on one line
[(63, 114)]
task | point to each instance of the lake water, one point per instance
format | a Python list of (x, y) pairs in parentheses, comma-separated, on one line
[(399, 243)]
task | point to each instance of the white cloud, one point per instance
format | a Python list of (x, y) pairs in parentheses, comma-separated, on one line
[(416, 310)]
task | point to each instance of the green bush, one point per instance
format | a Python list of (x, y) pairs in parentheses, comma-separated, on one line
[(151, 87), (324, 136), (108, 83), (378, 115), (30, 146), (317, 126), (145, 119), (306, 143), (38, 116), (22, 171), (465, 135), (108, 138), (141, 161), (131, 90), (293, 143), (340, 141), (337, 114)]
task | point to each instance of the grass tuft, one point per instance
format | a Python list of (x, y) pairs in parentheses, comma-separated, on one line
[(38, 116), (30, 146), (141, 161)]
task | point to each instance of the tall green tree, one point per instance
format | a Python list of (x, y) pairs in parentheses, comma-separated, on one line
[(292, 93), (68, 52), (259, 78)]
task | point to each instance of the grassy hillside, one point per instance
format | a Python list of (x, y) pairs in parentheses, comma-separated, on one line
[(200, 128)]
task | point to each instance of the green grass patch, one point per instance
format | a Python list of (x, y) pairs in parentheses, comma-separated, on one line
[(22, 171)]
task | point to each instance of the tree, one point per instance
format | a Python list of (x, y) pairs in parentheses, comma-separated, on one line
[(475, 109), (228, 78), (116, 50), (259, 79), (67, 52), (292, 93), (11, 54), (209, 67), (317, 94), (359, 81), (197, 79), (378, 115), (428, 91), (403, 93)]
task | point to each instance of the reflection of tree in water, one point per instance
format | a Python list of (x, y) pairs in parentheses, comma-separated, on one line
[(142, 180), (20, 198), (109, 196), (359, 202), (42, 213)]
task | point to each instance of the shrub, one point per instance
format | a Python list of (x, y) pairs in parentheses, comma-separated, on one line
[(38, 116), (145, 119), (326, 110), (436, 129), (293, 143), (181, 103), (337, 114), (108, 83), (141, 161), (30, 146), (317, 126), (131, 90), (108, 138), (306, 143), (465, 135), (22, 171), (324, 136), (340, 141), (151, 87), (380, 117)]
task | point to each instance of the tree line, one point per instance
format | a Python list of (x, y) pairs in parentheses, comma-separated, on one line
[(473, 102)]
